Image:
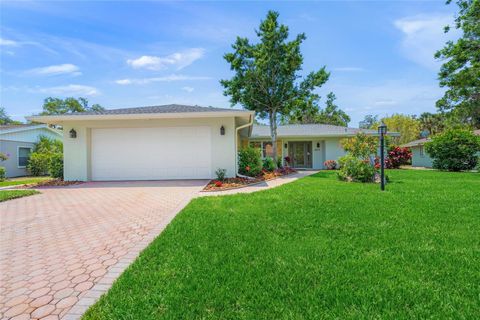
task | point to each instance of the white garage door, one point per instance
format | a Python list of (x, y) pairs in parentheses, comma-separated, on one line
[(151, 153)]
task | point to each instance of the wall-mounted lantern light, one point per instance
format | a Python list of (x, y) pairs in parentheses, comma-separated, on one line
[(222, 130), (318, 144), (286, 145), (73, 134)]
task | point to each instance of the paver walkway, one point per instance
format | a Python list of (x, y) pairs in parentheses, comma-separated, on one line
[(63, 248)]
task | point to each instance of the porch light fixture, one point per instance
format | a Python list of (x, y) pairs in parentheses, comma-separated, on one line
[(318, 144), (222, 130), (382, 130), (73, 133), (286, 145)]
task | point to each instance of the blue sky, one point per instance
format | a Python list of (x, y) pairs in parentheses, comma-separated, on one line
[(125, 54)]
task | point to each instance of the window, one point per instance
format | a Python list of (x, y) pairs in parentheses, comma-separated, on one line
[(265, 146), (23, 155), (421, 151)]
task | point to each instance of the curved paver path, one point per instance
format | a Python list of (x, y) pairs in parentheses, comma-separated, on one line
[(60, 250)]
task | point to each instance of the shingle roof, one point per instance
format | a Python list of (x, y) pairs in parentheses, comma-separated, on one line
[(415, 143), (17, 126), (169, 108), (303, 130)]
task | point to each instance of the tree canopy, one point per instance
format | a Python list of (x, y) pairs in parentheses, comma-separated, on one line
[(331, 114), (460, 72), (407, 126), (368, 122), (68, 105), (267, 74), (5, 118)]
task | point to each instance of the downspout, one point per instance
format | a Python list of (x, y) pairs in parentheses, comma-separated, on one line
[(236, 144)]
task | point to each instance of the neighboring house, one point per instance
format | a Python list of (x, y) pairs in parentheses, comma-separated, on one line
[(420, 158), (17, 141), (181, 142)]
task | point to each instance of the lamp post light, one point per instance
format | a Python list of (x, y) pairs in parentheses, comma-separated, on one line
[(382, 130)]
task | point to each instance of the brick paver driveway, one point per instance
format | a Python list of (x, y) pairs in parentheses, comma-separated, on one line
[(61, 249)]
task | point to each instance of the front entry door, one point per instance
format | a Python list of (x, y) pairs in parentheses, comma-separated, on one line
[(301, 154)]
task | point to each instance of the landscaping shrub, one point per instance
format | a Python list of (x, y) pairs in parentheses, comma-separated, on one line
[(398, 156), (356, 165), (355, 169), (220, 173), (3, 156), (279, 163), (250, 162), (268, 164), (287, 160), (56, 165), (38, 163), (330, 164), (47, 145), (454, 150), (2, 173)]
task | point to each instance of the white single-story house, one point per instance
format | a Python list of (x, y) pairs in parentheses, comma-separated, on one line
[(17, 142), (181, 142), (420, 158)]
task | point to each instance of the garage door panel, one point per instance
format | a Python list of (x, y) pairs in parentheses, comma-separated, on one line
[(151, 153)]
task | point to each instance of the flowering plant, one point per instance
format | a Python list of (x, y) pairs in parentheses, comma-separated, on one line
[(398, 156), (287, 159), (330, 164), (217, 183)]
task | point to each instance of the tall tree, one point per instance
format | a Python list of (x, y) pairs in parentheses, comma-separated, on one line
[(460, 72), (368, 122), (5, 118), (306, 114), (67, 105), (431, 123), (267, 76), (407, 126)]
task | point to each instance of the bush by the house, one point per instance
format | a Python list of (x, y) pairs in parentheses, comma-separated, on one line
[(220, 173), (38, 163), (56, 165), (398, 156), (356, 165), (3, 156), (287, 160), (355, 169), (250, 162), (47, 145), (330, 164), (454, 150), (279, 163), (2, 173), (268, 164)]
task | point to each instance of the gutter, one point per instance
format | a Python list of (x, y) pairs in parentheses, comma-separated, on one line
[(249, 124)]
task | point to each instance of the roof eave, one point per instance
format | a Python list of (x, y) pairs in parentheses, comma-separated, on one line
[(40, 126), (53, 119)]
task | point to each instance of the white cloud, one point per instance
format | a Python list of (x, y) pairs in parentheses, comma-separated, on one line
[(388, 102), (188, 89), (8, 43), (71, 89), (423, 35), (349, 69), (56, 70), (169, 78), (179, 60)]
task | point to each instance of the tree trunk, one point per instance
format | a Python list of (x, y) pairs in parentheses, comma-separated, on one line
[(273, 133)]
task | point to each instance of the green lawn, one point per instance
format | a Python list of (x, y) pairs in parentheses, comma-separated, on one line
[(317, 248), (23, 180), (13, 194)]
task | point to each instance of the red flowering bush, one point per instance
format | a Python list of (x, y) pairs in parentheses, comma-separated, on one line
[(398, 156), (330, 164), (217, 183), (249, 162)]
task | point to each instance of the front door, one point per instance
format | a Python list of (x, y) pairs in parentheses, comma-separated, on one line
[(300, 153)]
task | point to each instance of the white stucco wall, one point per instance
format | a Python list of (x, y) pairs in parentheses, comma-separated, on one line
[(333, 149), (77, 151), (419, 160)]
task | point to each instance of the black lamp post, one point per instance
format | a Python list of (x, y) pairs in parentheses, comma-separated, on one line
[(382, 130)]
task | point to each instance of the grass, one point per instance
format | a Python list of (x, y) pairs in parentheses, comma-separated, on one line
[(13, 194), (316, 248), (23, 180)]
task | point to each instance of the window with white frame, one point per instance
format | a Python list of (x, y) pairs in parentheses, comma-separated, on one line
[(23, 156), (265, 146)]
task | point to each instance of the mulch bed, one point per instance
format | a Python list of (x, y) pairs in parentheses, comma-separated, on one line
[(48, 183), (240, 182)]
